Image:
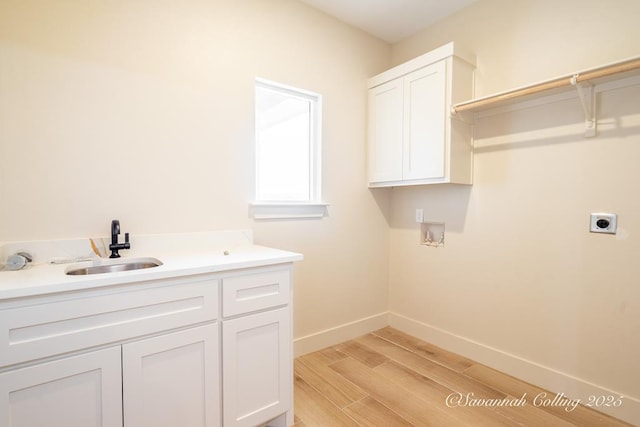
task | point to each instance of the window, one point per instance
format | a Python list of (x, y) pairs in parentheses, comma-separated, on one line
[(287, 148)]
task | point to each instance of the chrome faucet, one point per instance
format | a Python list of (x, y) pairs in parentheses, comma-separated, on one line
[(114, 247)]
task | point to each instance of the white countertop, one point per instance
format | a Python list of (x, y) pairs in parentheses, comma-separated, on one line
[(181, 255)]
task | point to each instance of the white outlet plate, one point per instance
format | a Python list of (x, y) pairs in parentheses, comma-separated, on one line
[(419, 215), (603, 223)]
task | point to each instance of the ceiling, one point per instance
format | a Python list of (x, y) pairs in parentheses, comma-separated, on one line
[(390, 20)]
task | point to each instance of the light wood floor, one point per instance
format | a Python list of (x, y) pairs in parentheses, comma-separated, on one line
[(388, 378)]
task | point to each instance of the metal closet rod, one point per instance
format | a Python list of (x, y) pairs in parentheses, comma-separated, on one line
[(595, 73)]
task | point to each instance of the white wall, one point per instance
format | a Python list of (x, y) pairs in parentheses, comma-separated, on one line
[(143, 111), (521, 284)]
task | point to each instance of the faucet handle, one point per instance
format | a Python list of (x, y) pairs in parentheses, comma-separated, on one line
[(115, 246)]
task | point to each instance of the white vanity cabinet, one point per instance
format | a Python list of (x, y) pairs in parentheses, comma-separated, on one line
[(157, 353), (78, 359), (412, 137), (165, 381), (257, 353)]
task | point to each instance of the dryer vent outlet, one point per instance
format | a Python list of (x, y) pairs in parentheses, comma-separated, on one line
[(604, 223)]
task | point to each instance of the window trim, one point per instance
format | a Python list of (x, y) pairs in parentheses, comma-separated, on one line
[(267, 211), (279, 209)]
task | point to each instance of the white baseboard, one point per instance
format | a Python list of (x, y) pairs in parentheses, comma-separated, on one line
[(342, 333), (526, 370)]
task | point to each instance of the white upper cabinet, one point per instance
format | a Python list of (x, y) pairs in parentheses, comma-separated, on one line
[(424, 131), (385, 132), (412, 138)]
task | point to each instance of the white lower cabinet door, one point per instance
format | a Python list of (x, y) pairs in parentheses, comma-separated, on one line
[(256, 360), (173, 380), (77, 391)]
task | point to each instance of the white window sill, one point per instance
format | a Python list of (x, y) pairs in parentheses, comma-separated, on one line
[(266, 211)]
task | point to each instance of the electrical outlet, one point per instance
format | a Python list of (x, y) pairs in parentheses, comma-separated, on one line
[(419, 215), (603, 223)]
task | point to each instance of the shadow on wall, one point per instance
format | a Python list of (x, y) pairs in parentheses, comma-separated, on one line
[(552, 123), (443, 203), (382, 196)]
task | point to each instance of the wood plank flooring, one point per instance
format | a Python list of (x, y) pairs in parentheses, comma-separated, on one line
[(388, 378)]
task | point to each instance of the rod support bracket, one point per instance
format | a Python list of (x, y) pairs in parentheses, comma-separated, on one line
[(587, 97)]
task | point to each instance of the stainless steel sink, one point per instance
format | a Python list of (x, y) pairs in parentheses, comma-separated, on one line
[(115, 266)]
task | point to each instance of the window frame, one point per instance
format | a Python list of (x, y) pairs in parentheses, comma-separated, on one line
[(314, 207)]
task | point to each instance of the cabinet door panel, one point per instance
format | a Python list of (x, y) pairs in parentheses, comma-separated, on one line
[(385, 132), (257, 367), (77, 391), (424, 139), (172, 380)]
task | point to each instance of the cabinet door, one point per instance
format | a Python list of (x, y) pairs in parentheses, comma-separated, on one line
[(424, 126), (257, 377), (77, 391), (385, 132), (172, 380)]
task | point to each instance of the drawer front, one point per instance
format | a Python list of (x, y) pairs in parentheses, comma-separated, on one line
[(253, 292), (83, 321)]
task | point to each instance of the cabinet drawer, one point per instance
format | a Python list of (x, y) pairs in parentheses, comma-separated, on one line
[(84, 320), (244, 294)]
